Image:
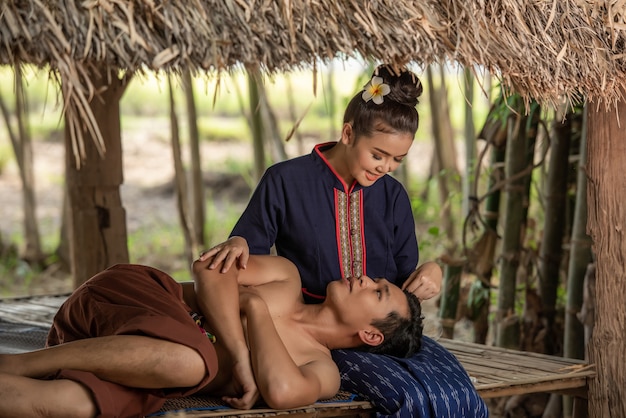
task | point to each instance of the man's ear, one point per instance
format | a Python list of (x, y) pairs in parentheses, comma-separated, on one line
[(347, 134), (371, 336)]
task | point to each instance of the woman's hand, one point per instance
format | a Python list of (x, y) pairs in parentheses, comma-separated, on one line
[(235, 248), (425, 281)]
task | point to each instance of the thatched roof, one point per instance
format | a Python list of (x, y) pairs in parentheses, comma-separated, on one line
[(541, 49)]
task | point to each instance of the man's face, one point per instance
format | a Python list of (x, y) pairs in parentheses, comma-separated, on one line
[(363, 300)]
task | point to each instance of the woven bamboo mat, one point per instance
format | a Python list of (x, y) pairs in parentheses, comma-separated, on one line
[(24, 322), (204, 403)]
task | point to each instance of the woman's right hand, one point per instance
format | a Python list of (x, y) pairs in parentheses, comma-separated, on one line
[(235, 248)]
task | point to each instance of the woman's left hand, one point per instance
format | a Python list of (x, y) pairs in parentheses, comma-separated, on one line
[(425, 281)]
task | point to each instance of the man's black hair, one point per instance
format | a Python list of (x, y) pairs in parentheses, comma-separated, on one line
[(403, 336)]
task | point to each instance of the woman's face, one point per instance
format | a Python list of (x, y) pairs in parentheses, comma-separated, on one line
[(371, 157)]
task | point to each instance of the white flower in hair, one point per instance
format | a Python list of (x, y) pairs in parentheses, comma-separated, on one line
[(375, 90)]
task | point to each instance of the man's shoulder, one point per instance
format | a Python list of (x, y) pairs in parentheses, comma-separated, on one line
[(275, 263), (274, 269)]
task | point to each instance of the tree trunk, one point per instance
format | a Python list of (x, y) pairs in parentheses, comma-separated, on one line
[(197, 187), (293, 116), (256, 124), (444, 161), (180, 178), (484, 252), (580, 257), (23, 151), (513, 225), (63, 250), (494, 132), (32, 250), (606, 150), (551, 250), (470, 141), (271, 131), (331, 103), (450, 296), (98, 219)]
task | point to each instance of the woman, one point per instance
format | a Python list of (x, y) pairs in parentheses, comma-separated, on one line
[(336, 213)]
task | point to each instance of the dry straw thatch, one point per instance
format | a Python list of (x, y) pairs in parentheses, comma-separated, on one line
[(548, 50)]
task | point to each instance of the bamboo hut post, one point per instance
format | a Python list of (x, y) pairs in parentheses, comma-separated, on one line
[(606, 151), (97, 219)]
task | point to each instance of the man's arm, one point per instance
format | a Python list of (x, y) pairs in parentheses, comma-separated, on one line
[(217, 295), (281, 382)]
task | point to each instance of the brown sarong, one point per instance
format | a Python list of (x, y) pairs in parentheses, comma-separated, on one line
[(130, 300)]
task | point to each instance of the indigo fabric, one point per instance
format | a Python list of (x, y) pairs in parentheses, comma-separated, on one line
[(431, 384), (296, 207)]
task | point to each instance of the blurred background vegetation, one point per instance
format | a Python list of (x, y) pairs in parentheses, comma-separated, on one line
[(317, 98)]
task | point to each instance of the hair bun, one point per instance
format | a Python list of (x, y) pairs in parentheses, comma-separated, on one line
[(405, 86)]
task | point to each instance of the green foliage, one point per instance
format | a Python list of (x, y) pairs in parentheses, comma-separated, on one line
[(218, 128), (477, 298), (16, 273), (155, 238), (426, 212), (219, 222)]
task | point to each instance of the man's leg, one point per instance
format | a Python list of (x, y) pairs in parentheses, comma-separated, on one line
[(31, 398), (129, 360)]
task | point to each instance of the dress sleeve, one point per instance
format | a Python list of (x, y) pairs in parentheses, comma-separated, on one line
[(406, 252), (259, 222)]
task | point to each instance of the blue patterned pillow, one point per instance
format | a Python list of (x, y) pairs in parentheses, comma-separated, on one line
[(431, 384)]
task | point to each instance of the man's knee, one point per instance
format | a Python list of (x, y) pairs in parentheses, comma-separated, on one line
[(76, 398), (186, 367)]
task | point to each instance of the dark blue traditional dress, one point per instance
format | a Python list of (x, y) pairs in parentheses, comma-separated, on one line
[(330, 229)]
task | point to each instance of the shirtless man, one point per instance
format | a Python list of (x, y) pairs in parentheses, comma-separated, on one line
[(127, 340)]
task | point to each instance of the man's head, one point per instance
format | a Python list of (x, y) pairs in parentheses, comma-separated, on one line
[(402, 335), (388, 319)]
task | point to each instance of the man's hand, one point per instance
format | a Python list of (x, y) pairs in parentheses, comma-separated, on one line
[(235, 248), (425, 281), (244, 384)]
